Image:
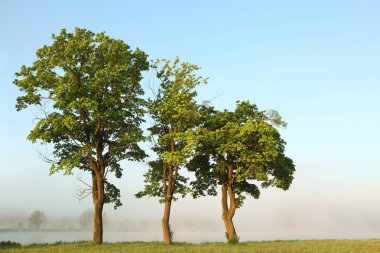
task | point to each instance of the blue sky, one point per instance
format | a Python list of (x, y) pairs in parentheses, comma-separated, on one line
[(316, 62)]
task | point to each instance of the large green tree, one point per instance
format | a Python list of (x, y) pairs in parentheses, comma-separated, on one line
[(236, 151), (89, 87), (175, 115)]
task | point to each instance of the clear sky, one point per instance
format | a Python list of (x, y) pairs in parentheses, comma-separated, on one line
[(316, 62)]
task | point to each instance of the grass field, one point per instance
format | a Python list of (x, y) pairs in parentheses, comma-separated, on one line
[(320, 246)]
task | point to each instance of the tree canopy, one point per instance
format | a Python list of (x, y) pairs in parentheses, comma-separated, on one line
[(175, 114), (88, 87), (237, 150)]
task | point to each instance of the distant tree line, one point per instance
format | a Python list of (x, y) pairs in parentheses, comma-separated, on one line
[(88, 87), (38, 219)]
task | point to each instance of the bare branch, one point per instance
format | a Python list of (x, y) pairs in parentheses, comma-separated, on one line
[(209, 100), (80, 179), (152, 88), (83, 193), (46, 157)]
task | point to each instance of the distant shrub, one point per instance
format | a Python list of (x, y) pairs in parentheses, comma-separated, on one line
[(37, 219), (86, 219), (9, 244), (171, 232), (233, 241)]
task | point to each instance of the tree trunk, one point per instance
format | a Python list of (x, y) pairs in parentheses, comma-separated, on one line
[(98, 199), (168, 193), (98, 224), (228, 213), (230, 228), (165, 223)]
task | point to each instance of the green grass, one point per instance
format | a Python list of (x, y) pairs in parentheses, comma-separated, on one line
[(320, 246)]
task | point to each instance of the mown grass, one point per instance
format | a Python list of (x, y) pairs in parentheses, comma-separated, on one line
[(311, 246)]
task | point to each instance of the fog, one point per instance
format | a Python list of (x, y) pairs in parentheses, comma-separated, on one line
[(309, 210), (335, 198)]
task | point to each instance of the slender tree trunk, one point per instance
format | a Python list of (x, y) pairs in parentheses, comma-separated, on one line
[(168, 204), (98, 199), (168, 184), (230, 228), (228, 213), (229, 205), (166, 224)]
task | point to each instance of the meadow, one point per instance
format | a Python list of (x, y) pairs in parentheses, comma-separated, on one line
[(305, 246)]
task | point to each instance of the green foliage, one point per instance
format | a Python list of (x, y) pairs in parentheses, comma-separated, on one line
[(153, 183), (245, 140), (9, 244), (232, 241), (88, 88), (113, 194), (171, 232), (175, 114)]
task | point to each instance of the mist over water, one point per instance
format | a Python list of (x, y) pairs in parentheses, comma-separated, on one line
[(313, 208), (319, 212), (206, 230)]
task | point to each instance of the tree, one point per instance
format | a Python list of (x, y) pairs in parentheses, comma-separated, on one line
[(91, 85), (86, 218), (175, 115), (236, 150), (37, 219)]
